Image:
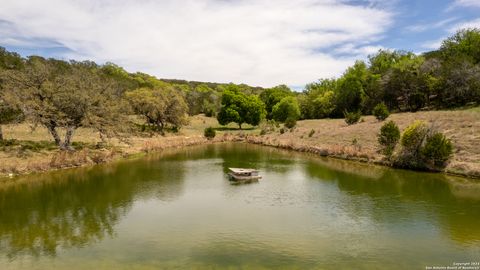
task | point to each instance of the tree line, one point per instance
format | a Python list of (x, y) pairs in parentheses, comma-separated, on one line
[(67, 95), (396, 81), (445, 78)]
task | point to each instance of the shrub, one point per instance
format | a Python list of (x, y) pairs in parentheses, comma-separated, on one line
[(310, 134), (267, 126), (381, 111), (10, 142), (437, 150), (290, 122), (424, 149), (388, 137), (413, 136), (209, 133), (352, 117), (282, 130), (210, 112)]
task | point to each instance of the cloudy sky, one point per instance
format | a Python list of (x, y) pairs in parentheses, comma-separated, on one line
[(258, 42)]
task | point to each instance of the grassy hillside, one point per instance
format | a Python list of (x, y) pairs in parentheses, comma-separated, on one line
[(34, 150), (360, 140)]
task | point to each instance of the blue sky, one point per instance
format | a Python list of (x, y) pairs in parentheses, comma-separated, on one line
[(420, 25), (258, 42)]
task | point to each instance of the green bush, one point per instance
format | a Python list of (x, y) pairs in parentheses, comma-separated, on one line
[(352, 117), (10, 142), (437, 150), (381, 111), (388, 137), (36, 146), (310, 134), (209, 133), (413, 136), (268, 126), (423, 149), (290, 122)]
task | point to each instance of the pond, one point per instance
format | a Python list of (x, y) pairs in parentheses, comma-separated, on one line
[(177, 210)]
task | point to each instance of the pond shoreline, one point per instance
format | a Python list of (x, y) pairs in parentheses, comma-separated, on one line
[(83, 158), (348, 153)]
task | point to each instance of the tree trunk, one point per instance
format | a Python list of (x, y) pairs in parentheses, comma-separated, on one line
[(1, 133), (240, 125), (160, 127), (67, 144), (54, 133)]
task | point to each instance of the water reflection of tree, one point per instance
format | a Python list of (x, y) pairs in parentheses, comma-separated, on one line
[(255, 156), (39, 214), (239, 155), (451, 201), (229, 254)]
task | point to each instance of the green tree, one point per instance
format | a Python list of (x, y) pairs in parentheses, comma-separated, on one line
[(202, 99), (460, 80), (10, 60), (272, 96), (239, 108), (124, 80), (287, 108), (351, 89), (465, 44), (324, 104), (319, 99), (9, 110), (458, 83), (381, 62), (406, 86), (8, 114), (159, 106), (69, 95), (380, 65)]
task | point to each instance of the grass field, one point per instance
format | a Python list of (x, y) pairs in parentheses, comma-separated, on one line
[(462, 127), (33, 150)]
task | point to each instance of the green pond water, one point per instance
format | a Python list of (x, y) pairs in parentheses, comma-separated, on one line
[(177, 210)]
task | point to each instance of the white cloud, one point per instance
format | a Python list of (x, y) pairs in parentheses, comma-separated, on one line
[(359, 51), (259, 42), (429, 26), (468, 3), (432, 44), (464, 25)]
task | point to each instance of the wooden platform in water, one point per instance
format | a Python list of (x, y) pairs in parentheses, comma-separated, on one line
[(244, 175)]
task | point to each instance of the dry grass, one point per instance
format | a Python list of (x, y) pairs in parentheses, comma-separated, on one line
[(331, 137), (20, 159), (334, 137)]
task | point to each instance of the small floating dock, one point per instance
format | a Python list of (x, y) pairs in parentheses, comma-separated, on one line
[(244, 175)]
